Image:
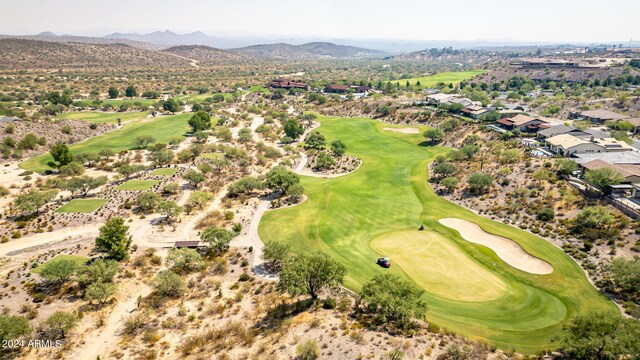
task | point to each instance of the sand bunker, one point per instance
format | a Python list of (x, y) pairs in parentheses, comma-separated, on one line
[(403, 130), (508, 250)]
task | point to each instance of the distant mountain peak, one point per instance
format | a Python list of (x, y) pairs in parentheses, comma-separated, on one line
[(47, 33)]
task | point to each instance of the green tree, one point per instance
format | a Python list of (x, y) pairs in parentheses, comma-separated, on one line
[(84, 184), (625, 276), (170, 210), (13, 327), (217, 238), (58, 271), (434, 135), (147, 201), (445, 169), (280, 179), (324, 161), (162, 157), (245, 185), (195, 178), (100, 291), (99, 270), (295, 191), (113, 92), (171, 105), (130, 91), (310, 273), (73, 168), (602, 337), (200, 198), (61, 323), (595, 222), (200, 121), (114, 239), (275, 253), (293, 129), (184, 260), (33, 200), (169, 284), (338, 147), (479, 183), (393, 300), (143, 141), (602, 178), (127, 170), (315, 140), (565, 167), (61, 154)]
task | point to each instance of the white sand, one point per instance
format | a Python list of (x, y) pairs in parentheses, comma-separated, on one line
[(507, 249), (403, 130)]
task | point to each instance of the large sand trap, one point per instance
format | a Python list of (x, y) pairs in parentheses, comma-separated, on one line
[(403, 130), (507, 249)]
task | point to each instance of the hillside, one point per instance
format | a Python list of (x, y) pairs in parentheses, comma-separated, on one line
[(307, 51), (205, 55), (49, 36), (36, 54)]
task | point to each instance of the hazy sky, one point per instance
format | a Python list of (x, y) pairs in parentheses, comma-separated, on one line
[(533, 20)]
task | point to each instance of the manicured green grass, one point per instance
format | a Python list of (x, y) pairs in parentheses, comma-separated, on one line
[(259, 88), (99, 117), (352, 216), (162, 128), (81, 206), (445, 77), (164, 171), (199, 98), (137, 185), (211, 155), (79, 260), (117, 102)]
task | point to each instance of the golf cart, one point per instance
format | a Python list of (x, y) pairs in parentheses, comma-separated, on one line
[(384, 262)]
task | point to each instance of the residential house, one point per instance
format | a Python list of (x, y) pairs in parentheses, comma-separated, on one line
[(568, 145), (437, 99), (337, 89), (630, 173), (623, 157), (599, 115), (361, 89), (523, 123), (474, 111), (287, 84)]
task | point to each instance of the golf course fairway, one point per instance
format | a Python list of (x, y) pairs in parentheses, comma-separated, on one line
[(376, 211)]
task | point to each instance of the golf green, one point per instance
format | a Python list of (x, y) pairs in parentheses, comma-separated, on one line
[(376, 210), (81, 206), (164, 171), (137, 185), (162, 128)]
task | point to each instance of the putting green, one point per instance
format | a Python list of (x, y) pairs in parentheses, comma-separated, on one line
[(439, 266), (349, 216), (164, 171), (81, 206), (137, 185)]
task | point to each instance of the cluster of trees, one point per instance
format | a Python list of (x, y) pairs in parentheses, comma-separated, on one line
[(388, 300)]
